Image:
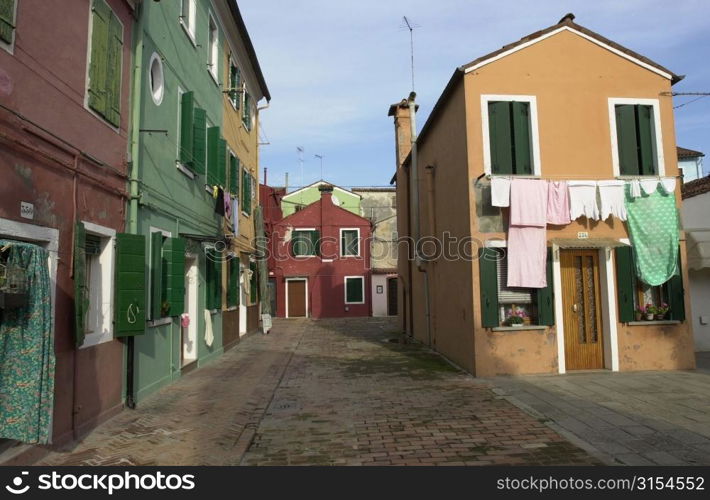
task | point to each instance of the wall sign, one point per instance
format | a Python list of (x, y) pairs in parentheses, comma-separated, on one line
[(27, 210), (582, 235), (380, 289)]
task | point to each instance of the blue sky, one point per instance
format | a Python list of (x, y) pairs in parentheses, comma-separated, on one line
[(333, 68)]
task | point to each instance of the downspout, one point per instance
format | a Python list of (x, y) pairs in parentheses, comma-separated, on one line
[(415, 202), (133, 178)]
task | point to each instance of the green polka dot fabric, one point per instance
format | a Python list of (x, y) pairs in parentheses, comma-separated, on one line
[(653, 229)]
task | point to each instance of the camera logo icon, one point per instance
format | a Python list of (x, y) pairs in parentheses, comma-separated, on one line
[(16, 488)]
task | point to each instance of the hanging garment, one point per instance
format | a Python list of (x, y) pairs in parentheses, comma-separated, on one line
[(653, 230), (558, 203), (649, 186), (527, 252), (219, 204), (235, 214), (27, 352), (583, 200), (215, 191), (527, 256), (634, 188), (612, 198), (228, 206), (209, 334), (500, 191), (528, 202), (668, 184)]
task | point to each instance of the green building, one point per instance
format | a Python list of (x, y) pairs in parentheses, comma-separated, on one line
[(303, 197)]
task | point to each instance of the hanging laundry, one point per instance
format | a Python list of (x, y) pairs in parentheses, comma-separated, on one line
[(634, 188), (528, 202), (558, 203), (612, 198), (653, 230), (219, 204), (235, 214), (500, 191), (527, 252), (209, 334), (215, 191), (668, 184), (583, 200), (228, 206), (649, 186)]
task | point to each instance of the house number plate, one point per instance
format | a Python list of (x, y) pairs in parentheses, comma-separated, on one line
[(582, 235)]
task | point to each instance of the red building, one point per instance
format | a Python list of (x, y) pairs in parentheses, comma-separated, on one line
[(319, 262), (64, 120)]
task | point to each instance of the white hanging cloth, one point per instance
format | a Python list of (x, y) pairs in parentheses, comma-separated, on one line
[(583, 200), (500, 191), (668, 184), (649, 186), (209, 334), (611, 199)]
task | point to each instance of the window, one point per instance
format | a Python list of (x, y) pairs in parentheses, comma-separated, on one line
[(247, 116), (213, 279), (354, 290), (233, 265), (105, 64), (167, 275), (510, 138), (188, 16), (305, 243), (235, 85), (7, 21), (216, 157), (213, 48), (246, 192), (636, 142), (157, 80), (233, 174), (350, 242), (499, 302)]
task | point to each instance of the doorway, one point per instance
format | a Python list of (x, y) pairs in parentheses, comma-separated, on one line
[(243, 297), (189, 333), (581, 306), (296, 298), (392, 296)]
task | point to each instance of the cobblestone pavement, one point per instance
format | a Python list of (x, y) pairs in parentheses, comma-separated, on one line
[(640, 418), (324, 392)]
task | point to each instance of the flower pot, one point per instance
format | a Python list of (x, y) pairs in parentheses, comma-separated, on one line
[(660, 317), (639, 316), (650, 317)]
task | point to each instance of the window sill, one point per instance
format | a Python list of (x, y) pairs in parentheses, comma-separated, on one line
[(185, 170), (518, 328), (160, 322), (654, 322), (214, 77), (189, 34)]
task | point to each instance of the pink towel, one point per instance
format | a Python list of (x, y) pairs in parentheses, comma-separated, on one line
[(558, 203), (528, 202), (527, 257)]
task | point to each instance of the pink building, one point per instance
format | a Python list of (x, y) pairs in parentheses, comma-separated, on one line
[(319, 263)]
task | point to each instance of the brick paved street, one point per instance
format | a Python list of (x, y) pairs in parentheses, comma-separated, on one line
[(325, 392)]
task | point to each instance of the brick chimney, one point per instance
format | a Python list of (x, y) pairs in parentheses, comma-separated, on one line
[(402, 130)]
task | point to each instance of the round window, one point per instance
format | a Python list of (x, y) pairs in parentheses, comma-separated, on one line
[(157, 80)]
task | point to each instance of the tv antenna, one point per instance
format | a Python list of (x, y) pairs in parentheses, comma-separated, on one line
[(411, 26), (300, 161), (320, 157)]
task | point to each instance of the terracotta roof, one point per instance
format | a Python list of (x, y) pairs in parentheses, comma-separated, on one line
[(696, 187), (684, 153), (568, 21)]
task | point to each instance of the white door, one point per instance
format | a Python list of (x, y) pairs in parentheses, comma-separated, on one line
[(243, 296), (189, 334)]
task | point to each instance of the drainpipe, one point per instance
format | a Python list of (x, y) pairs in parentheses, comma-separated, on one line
[(133, 176)]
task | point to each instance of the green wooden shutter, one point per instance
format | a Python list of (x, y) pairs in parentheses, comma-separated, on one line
[(81, 298), (233, 175), (7, 20), (213, 158), (253, 288), (233, 282), (626, 139), (156, 274), (521, 138), (499, 129), (199, 140), (174, 275), (113, 71), (675, 294), (98, 66), (129, 294), (217, 299), (214, 279), (545, 297), (187, 118), (315, 242), (353, 289), (222, 162), (625, 283), (246, 112), (209, 279), (646, 140), (246, 192), (487, 264)]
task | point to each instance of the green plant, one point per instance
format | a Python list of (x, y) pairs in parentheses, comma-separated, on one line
[(514, 320)]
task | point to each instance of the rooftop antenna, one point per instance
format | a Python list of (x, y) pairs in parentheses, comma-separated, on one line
[(320, 157), (409, 24), (300, 161)]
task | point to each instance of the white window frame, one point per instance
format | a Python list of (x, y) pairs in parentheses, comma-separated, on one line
[(534, 129), (191, 23), (178, 164), (149, 304), (10, 47), (345, 289), (153, 58), (213, 55), (293, 237), (239, 92), (107, 263), (340, 243), (654, 103)]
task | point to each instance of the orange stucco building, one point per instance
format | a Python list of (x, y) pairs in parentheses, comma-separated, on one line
[(571, 84)]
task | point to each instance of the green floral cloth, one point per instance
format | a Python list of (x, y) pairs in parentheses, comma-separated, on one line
[(27, 353), (653, 230)]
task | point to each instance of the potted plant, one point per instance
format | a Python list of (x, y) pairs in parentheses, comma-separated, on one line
[(661, 311), (516, 317), (650, 312), (640, 313)]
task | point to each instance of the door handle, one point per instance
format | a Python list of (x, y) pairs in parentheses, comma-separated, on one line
[(574, 307)]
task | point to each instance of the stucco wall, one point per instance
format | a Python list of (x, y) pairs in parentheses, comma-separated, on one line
[(695, 216)]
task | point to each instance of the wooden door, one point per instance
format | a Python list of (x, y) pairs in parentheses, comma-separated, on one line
[(296, 290), (582, 309), (392, 296)]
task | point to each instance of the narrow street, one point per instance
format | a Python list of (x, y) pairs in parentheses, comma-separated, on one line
[(325, 392)]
